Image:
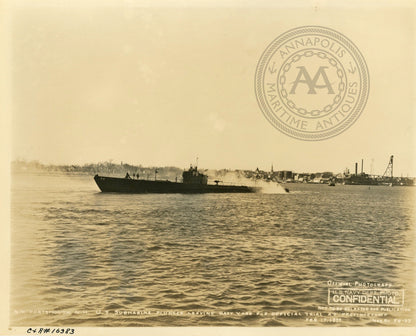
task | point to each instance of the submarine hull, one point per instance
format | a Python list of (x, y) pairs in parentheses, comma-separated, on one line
[(131, 186)]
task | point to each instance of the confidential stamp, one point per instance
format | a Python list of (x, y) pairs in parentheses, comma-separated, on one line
[(366, 296), (312, 83)]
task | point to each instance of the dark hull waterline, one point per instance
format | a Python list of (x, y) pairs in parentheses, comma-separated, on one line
[(131, 186)]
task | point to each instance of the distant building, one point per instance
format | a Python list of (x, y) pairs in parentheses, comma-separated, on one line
[(284, 175), (324, 177)]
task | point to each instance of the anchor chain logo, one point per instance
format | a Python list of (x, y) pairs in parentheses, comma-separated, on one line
[(312, 83)]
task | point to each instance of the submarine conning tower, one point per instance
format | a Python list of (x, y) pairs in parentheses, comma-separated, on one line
[(192, 175)]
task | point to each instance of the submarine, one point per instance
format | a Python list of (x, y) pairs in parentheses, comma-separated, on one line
[(193, 182)]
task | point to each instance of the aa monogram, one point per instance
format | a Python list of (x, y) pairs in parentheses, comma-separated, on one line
[(312, 82)]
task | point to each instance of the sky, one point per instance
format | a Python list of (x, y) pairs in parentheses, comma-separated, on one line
[(158, 85)]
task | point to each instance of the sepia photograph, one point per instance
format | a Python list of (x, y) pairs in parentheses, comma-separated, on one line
[(208, 164)]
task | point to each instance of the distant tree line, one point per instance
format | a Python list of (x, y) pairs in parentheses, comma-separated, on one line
[(108, 168)]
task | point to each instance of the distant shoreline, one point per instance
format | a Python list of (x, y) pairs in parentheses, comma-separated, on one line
[(110, 168)]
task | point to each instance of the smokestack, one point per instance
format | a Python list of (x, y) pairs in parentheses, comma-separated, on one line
[(362, 166), (356, 168)]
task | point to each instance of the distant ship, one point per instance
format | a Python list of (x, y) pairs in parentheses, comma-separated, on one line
[(193, 182)]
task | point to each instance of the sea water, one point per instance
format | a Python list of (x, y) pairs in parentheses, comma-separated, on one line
[(80, 257)]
